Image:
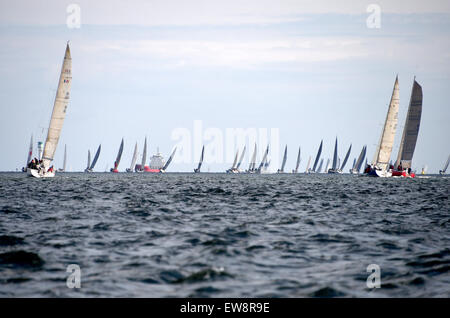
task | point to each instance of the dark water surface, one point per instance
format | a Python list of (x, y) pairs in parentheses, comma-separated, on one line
[(217, 235)]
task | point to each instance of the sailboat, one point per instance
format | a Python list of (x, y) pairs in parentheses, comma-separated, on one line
[(402, 167), (142, 167), (157, 163), (380, 163), (201, 161), (357, 166), (88, 161), (442, 172), (307, 165), (341, 169), (319, 152), (327, 166), (335, 165), (90, 167), (133, 159), (119, 156), (240, 160), (43, 168), (233, 166), (30, 154), (262, 168), (297, 162), (283, 163), (251, 167), (65, 160)]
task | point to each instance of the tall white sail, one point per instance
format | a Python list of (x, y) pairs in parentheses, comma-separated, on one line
[(284, 159), (119, 156), (298, 160), (134, 159), (241, 158), (319, 169), (253, 160), (335, 156), (360, 160), (411, 129), (144, 155), (30, 151), (65, 158), (346, 157), (235, 160), (384, 148), (59, 109), (88, 160), (319, 152)]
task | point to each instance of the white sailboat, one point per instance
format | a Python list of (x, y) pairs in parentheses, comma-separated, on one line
[(119, 156), (307, 165), (335, 165), (357, 166), (91, 166), (283, 163), (262, 168), (43, 169), (30, 154), (133, 159), (319, 152), (341, 169), (380, 163), (65, 160), (200, 161), (251, 167), (319, 169), (297, 163), (402, 165)]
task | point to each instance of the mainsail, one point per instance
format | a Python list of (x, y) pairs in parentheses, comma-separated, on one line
[(144, 155), (335, 156), (360, 160), (253, 161), (201, 159), (445, 166), (307, 165), (59, 109), (346, 157), (134, 158), (384, 148), (95, 158), (119, 155), (327, 166), (320, 166), (298, 160), (263, 161), (235, 160), (89, 159), (241, 158), (317, 156), (30, 151), (170, 159), (284, 159), (65, 158), (411, 129)]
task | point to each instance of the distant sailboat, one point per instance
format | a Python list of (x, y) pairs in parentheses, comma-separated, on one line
[(307, 165), (341, 169), (240, 159), (88, 161), (402, 165), (119, 156), (327, 166), (297, 163), (251, 167), (133, 159), (65, 160), (335, 165), (168, 161), (443, 171), (319, 152), (30, 154), (380, 163), (319, 169), (90, 167), (264, 162), (357, 166), (233, 166), (283, 163), (201, 161), (44, 170)]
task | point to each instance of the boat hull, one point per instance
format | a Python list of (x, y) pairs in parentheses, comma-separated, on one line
[(404, 174), (151, 170), (37, 174)]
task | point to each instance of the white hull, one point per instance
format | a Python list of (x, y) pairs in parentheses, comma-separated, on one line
[(35, 173)]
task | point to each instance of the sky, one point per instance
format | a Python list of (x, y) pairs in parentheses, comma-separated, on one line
[(302, 71)]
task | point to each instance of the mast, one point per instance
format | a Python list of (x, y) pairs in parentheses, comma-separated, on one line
[(335, 156), (317, 156), (134, 159), (95, 157), (384, 148), (346, 157), (241, 158), (59, 109), (144, 155), (411, 129), (30, 151)]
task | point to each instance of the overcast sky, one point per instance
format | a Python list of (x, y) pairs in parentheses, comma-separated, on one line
[(311, 69)]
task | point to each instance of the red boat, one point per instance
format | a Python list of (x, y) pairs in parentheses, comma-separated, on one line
[(403, 173)]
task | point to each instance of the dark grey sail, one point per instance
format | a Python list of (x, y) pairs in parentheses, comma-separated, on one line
[(283, 163), (335, 157), (264, 159), (319, 152), (200, 161), (169, 160), (97, 154), (346, 157)]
